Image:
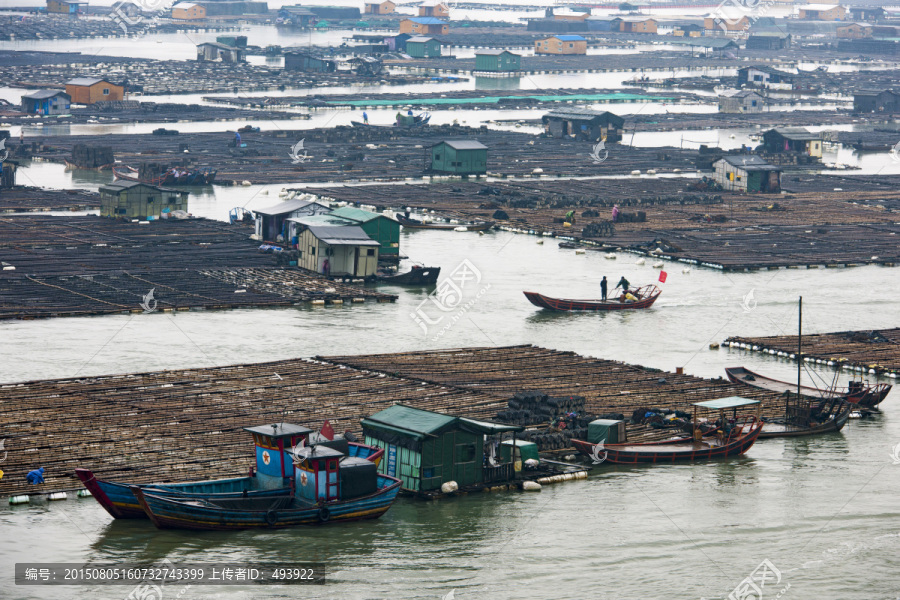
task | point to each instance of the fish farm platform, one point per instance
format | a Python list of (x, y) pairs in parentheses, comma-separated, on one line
[(75, 266), (875, 352), (709, 228), (187, 424)]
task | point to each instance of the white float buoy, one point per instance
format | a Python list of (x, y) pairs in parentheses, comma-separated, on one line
[(57, 496), (18, 499), (531, 486), (640, 261), (449, 487), (579, 251), (84, 494)]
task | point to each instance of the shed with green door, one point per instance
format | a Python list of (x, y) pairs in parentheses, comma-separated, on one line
[(461, 157), (497, 60), (426, 449), (381, 228)]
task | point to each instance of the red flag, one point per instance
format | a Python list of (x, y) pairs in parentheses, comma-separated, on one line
[(326, 431), (662, 276)]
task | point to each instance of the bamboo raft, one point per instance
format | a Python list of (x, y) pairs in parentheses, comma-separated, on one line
[(172, 425), (872, 352), (70, 266)]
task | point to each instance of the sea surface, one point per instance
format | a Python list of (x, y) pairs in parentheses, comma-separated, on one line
[(821, 511)]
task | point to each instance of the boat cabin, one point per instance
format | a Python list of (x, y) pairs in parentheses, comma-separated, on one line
[(426, 449), (273, 448), (722, 406)]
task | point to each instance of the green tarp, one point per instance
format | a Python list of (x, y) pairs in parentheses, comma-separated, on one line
[(603, 430)]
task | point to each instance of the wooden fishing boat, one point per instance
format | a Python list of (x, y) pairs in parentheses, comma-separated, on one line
[(797, 426), (646, 296), (324, 492), (416, 276), (736, 437), (274, 445), (409, 223), (408, 121), (748, 377), (169, 177)]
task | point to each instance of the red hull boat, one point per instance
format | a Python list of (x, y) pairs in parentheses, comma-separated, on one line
[(859, 394), (646, 296)]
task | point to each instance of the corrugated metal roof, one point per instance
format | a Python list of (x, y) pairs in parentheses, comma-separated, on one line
[(326, 220), (279, 430), (286, 207), (463, 144), (119, 185), (494, 52), (357, 214), (568, 38), (413, 420), (427, 21), (419, 39), (749, 163), (41, 94), (800, 134), (186, 5), (729, 402), (343, 235), (86, 81)]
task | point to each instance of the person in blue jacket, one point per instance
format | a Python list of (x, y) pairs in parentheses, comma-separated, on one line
[(35, 477)]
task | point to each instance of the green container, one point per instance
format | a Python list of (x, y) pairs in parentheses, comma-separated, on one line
[(606, 430), (524, 450)]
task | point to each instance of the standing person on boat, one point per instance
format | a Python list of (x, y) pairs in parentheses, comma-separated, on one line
[(623, 283), (365, 118), (615, 213), (603, 288)]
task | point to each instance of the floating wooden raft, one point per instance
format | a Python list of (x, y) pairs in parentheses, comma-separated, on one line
[(869, 352)]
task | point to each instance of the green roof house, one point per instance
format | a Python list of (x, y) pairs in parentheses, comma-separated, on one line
[(382, 229), (461, 157), (423, 47), (497, 60), (427, 449)]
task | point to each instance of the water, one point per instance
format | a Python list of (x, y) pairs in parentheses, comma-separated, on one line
[(816, 508)]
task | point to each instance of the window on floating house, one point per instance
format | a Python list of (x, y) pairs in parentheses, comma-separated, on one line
[(106, 91), (370, 252)]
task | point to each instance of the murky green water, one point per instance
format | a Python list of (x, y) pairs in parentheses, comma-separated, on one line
[(823, 510)]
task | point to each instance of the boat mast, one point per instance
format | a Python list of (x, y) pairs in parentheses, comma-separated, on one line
[(799, 352)]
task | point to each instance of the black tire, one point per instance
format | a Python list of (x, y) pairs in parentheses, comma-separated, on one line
[(324, 514), (271, 517)]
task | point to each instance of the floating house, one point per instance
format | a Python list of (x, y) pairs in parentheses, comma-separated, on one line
[(87, 90), (768, 41), (570, 15), (397, 43), (381, 228), (855, 31), (713, 23), (636, 24), (876, 101), (214, 51), (134, 200), (747, 173), (822, 12), (434, 8), (423, 47), (584, 124), (762, 76), (65, 7), (46, 102), (338, 250), (866, 13), (463, 157), (426, 449), (380, 8), (561, 44), (270, 222), (305, 61), (744, 101), (298, 16), (793, 139), (497, 61), (424, 26), (188, 11)]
